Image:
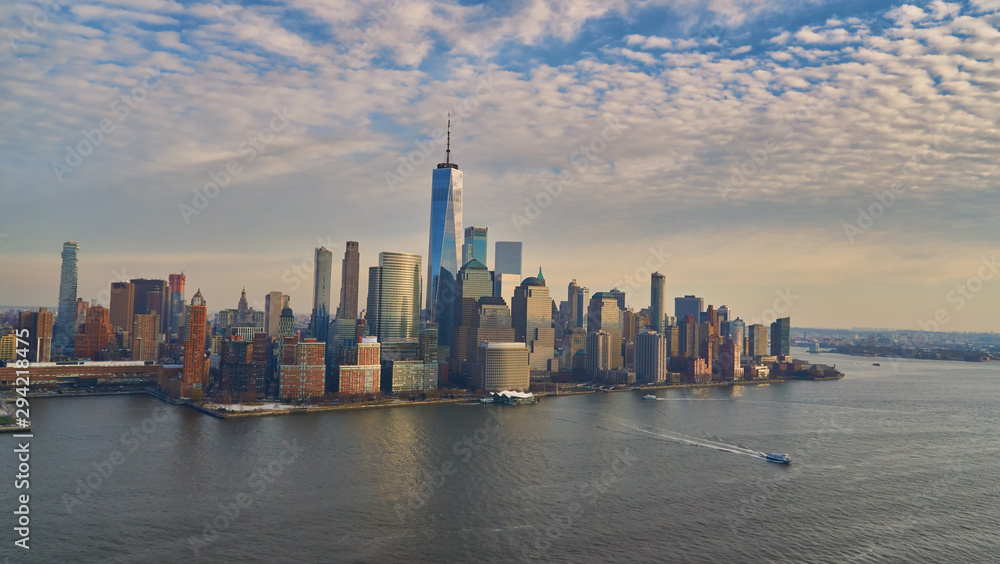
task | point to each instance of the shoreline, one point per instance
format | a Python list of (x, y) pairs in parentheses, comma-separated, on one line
[(396, 403)]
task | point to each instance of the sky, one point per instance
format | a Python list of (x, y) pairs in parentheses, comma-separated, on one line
[(834, 162)]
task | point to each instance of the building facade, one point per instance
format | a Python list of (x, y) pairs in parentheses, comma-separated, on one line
[(66, 321)]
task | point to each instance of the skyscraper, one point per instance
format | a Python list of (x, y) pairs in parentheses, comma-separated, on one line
[(371, 311), (571, 304), (582, 303), (96, 335), (121, 306), (504, 367), (688, 305), (781, 330), (619, 297), (176, 321), (194, 347), (506, 260), (65, 325), (446, 226), (473, 282), (272, 313), (150, 296), (398, 318), (598, 353), (604, 315), (349, 282), (650, 358), (475, 245), (757, 335), (656, 295), (146, 338), (531, 313), (39, 325), (320, 321)]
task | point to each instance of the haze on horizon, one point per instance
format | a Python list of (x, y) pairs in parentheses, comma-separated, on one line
[(827, 107)]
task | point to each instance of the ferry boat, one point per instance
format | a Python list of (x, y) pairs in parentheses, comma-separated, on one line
[(649, 396), (775, 457), (876, 364)]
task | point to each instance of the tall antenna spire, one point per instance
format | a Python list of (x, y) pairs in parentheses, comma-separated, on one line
[(447, 151)]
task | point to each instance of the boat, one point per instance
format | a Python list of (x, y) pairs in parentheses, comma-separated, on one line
[(876, 364), (649, 396), (775, 457)]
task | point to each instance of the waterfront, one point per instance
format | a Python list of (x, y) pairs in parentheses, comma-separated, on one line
[(895, 462)]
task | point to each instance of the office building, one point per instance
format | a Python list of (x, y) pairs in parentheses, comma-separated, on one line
[(40, 325), (657, 293), (398, 300), (8, 347), (94, 341), (650, 358), (688, 305), (490, 324), (272, 313), (504, 367), (349, 276), (531, 314), (150, 296), (781, 333), (320, 320), (286, 323), (619, 298), (235, 367), (604, 315), (175, 323), (443, 252), (475, 245), (757, 336), (65, 324), (473, 282), (506, 265), (371, 311), (121, 306), (598, 353)]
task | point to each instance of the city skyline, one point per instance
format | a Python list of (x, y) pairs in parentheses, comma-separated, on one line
[(746, 185)]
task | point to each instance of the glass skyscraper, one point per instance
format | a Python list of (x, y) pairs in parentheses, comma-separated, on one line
[(398, 318), (656, 295), (444, 250), (65, 326), (319, 324), (475, 245)]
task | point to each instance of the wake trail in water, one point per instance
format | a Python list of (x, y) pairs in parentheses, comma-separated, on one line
[(693, 441)]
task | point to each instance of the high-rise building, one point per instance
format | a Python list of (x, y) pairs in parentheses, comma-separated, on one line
[(446, 227), (361, 371), (398, 302), (371, 311), (531, 313), (473, 282), (619, 297), (82, 306), (604, 315), (65, 324), (350, 270), (781, 333), (736, 330), (504, 367), (757, 335), (650, 358), (40, 325), (598, 352), (286, 322), (723, 313), (320, 321), (146, 337), (729, 360), (151, 296), (688, 305), (687, 336), (304, 374), (235, 366), (195, 371), (582, 307), (176, 320), (475, 245), (657, 294), (571, 304), (96, 336), (490, 324), (8, 346), (272, 314), (122, 305), (506, 264)]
